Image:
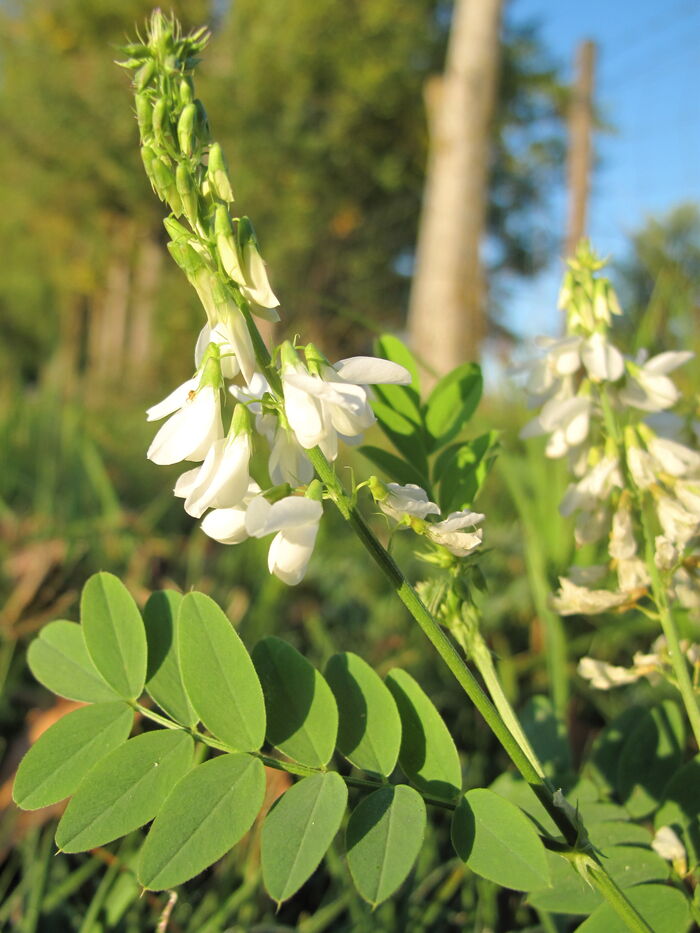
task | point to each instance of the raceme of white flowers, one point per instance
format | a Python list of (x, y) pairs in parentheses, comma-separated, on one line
[(609, 415), (321, 404)]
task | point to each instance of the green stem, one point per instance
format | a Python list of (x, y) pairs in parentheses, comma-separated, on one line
[(475, 648), (668, 625)]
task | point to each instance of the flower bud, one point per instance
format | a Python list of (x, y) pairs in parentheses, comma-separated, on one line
[(315, 490), (144, 115), (144, 75), (226, 245), (188, 193), (161, 124), (217, 173), (185, 129), (186, 91)]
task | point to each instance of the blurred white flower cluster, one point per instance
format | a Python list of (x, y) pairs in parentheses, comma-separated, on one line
[(654, 665), (319, 405), (609, 414)]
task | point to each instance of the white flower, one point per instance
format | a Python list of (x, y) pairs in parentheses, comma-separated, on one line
[(287, 462), (679, 525), (595, 486), (623, 545), (604, 676), (667, 844), (409, 500), (257, 285), (648, 386), (565, 420), (672, 457), (193, 426), (227, 526), (603, 360), (321, 407), (632, 574), (586, 576), (641, 466), (222, 480), (449, 534), (572, 599), (665, 553), (236, 347), (548, 375), (295, 521)]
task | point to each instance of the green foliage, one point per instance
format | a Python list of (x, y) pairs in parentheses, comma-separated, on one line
[(299, 830), (205, 815), (60, 661), (370, 732), (383, 839), (164, 677), (302, 716), (54, 766), (422, 432), (218, 674), (428, 755), (498, 842), (114, 634), (665, 910), (124, 789)]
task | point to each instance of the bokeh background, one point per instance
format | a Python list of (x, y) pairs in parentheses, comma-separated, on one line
[(319, 105)]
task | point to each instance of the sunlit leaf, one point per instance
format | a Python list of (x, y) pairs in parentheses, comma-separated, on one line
[(57, 762), (60, 661), (218, 674), (124, 790), (163, 677), (298, 831), (383, 838), (428, 756), (302, 715), (369, 732), (114, 634), (498, 842), (204, 816)]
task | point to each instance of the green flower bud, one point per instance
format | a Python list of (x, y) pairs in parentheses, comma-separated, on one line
[(315, 360), (203, 131), (148, 157), (314, 490), (185, 129), (186, 91), (144, 75), (288, 355), (144, 115), (188, 193), (242, 421), (176, 231), (160, 123), (217, 173), (163, 179), (226, 245)]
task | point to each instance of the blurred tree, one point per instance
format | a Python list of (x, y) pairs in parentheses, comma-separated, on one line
[(327, 137), (79, 224), (322, 122), (659, 283)]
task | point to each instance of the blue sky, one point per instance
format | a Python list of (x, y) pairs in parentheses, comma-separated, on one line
[(648, 88)]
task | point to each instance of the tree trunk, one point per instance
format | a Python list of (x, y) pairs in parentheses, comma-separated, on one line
[(447, 313)]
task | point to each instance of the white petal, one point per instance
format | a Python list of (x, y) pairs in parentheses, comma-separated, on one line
[(258, 289), (227, 526), (185, 483), (203, 341), (667, 362), (223, 477), (288, 513), (188, 434), (172, 402), (242, 345), (304, 415), (602, 360), (370, 370), (290, 552)]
